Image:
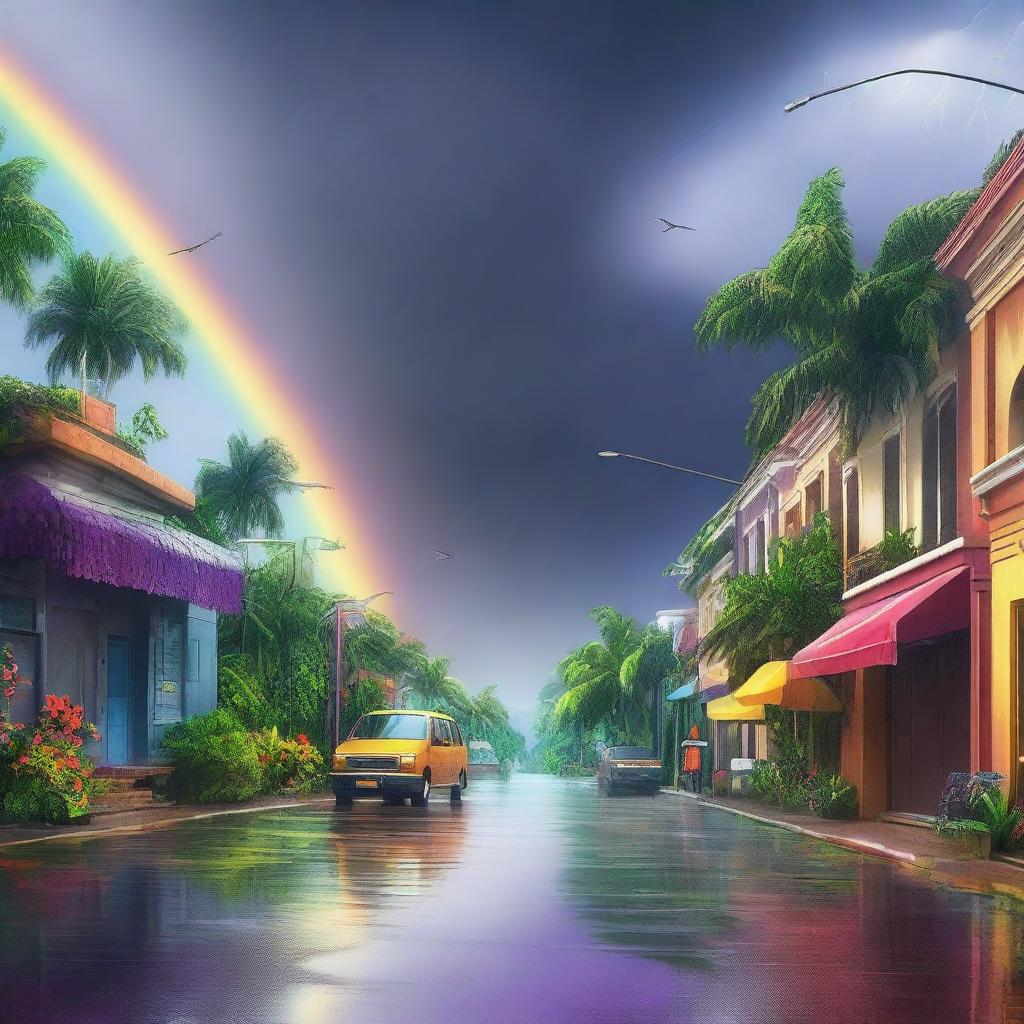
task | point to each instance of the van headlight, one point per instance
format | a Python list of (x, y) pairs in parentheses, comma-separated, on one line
[(408, 760), (339, 761)]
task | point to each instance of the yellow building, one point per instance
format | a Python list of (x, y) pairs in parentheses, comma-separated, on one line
[(987, 253)]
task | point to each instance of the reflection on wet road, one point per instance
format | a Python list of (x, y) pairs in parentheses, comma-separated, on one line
[(535, 902)]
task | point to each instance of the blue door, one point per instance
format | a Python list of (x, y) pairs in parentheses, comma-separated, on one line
[(118, 668)]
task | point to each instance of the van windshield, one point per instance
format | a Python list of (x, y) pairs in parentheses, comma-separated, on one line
[(390, 727)]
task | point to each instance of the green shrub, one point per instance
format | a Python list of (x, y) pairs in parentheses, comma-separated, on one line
[(833, 797), (576, 771), (240, 691), (775, 782), (213, 760), (32, 798), (551, 763), (993, 810)]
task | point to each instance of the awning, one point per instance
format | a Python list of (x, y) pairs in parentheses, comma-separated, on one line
[(773, 684), (685, 692), (870, 635), (76, 538), (728, 709)]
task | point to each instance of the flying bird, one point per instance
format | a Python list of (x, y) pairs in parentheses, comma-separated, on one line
[(669, 226), (198, 245), (443, 556)]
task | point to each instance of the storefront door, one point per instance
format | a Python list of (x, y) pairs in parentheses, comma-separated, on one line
[(929, 721)]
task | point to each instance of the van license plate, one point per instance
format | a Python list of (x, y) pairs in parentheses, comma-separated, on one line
[(366, 783)]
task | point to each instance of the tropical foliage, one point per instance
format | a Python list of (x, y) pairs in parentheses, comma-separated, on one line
[(102, 317), (244, 492), (609, 682), (275, 655), (144, 429), (770, 615), (21, 403), (710, 544), (868, 337), (430, 686), (30, 234)]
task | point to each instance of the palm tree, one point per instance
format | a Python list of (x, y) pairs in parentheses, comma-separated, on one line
[(612, 680), (30, 233), (101, 316), (245, 491), (772, 614), (430, 685), (380, 647), (869, 338)]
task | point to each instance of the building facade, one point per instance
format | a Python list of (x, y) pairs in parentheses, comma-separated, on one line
[(986, 252), (102, 598)]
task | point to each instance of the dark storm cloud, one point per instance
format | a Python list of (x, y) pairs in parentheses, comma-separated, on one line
[(446, 213)]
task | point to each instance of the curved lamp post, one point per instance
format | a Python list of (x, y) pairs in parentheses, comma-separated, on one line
[(668, 465), (346, 606), (804, 100)]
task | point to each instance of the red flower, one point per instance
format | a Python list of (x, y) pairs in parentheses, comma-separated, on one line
[(8, 692), (78, 785), (302, 738), (73, 761), (36, 740), (23, 759)]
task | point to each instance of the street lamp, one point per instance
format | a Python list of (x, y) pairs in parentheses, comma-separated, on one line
[(668, 465), (804, 100), (346, 606), (319, 544)]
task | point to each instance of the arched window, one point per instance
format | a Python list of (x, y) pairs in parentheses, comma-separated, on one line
[(852, 513), (1016, 418), (938, 472)]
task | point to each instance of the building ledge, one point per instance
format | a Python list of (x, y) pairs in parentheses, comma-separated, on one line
[(906, 568), (1009, 467), (86, 444)]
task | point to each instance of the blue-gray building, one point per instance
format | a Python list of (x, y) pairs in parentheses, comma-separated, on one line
[(103, 598)]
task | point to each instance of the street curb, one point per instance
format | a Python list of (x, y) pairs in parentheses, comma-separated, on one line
[(958, 874), (858, 846), (147, 826)]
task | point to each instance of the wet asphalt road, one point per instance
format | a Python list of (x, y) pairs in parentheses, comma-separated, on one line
[(536, 902)]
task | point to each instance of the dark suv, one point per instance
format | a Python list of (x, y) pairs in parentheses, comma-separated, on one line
[(633, 768)]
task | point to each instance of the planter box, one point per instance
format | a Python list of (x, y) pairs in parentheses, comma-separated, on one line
[(977, 844)]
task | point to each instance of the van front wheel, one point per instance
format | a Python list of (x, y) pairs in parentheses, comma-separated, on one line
[(424, 794)]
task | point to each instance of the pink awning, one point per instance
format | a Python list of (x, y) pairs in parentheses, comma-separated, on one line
[(869, 636)]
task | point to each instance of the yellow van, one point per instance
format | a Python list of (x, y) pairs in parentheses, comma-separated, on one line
[(394, 755)]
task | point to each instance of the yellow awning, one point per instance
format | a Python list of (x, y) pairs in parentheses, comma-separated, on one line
[(771, 684), (728, 709)]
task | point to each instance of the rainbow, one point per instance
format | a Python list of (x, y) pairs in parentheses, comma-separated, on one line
[(231, 348)]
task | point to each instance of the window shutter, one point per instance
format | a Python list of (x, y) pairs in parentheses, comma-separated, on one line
[(835, 493), (793, 520), (852, 514), (891, 483), (760, 545), (812, 499), (929, 480), (947, 470)]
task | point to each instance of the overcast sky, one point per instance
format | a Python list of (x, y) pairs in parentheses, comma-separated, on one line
[(441, 217)]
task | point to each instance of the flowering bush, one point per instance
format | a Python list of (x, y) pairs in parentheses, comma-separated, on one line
[(215, 760), (720, 783), (8, 730), (293, 766), (46, 777)]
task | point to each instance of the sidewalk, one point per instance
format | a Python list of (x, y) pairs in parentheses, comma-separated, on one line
[(159, 816), (917, 848)]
